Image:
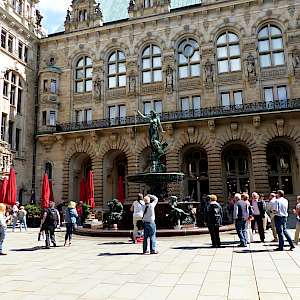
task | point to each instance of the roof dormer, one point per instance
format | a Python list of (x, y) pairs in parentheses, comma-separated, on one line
[(140, 8)]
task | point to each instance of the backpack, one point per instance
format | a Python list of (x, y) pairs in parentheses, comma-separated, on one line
[(52, 217), (214, 214)]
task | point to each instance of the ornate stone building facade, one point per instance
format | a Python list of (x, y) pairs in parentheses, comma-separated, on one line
[(20, 30), (224, 76)]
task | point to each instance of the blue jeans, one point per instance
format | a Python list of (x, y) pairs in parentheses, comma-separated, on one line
[(15, 220), (2, 237), (24, 223), (149, 232), (280, 224), (240, 226)]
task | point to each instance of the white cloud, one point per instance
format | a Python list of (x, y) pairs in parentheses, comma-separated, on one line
[(54, 5)]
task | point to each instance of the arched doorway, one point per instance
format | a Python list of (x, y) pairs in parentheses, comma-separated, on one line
[(195, 166), (80, 165), (280, 168), (237, 168), (115, 170)]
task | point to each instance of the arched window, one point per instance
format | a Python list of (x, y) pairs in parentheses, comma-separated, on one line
[(228, 52), (116, 69), (151, 64), (48, 170), (188, 58), (148, 3), (270, 46), (83, 75)]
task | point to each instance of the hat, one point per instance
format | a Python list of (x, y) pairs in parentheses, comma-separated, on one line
[(72, 204)]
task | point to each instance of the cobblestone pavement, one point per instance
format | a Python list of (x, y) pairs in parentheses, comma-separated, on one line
[(185, 268)]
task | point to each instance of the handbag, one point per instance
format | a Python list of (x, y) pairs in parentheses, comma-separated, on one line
[(140, 223)]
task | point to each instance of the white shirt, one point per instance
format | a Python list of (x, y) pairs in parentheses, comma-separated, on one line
[(3, 221), (138, 208), (272, 205), (15, 210), (281, 209)]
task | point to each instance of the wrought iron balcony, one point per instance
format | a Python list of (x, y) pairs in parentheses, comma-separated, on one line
[(194, 114)]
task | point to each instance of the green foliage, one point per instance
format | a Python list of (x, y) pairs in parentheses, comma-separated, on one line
[(86, 210), (33, 210)]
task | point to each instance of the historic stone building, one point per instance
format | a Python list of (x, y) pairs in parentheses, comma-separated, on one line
[(20, 30), (224, 76)]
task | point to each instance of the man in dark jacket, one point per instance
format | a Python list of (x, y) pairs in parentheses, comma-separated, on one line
[(214, 216), (259, 211)]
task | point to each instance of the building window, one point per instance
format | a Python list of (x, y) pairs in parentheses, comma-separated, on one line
[(116, 69), (52, 118), (188, 59), (270, 46), (20, 94), (155, 105), (85, 115), (117, 114), (25, 54), (191, 103), (20, 50), (48, 170), (10, 132), (10, 44), (232, 98), (18, 137), (83, 75), (12, 87), (148, 3), (45, 86), (228, 53), (82, 15), (44, 118), (53, 86), (151, 64), (3, 38), (272, 94), (3, 126)]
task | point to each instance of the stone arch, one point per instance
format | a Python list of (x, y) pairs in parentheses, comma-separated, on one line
[(193, 34), (223, 29), (104, 53), (219, 27), (278, 20), (150, 39), (73, 58)]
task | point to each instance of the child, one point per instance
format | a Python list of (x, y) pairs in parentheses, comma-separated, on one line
[(22, 217), (139, 238)]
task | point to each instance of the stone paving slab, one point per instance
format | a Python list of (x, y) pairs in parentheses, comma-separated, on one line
[(95, 268)]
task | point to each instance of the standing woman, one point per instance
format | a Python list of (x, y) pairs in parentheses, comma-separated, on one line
[(70, 219), (3, 227), (249, 234), (137, 208)]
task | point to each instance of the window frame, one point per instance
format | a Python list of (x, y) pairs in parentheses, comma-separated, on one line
[(232, 99), (84, 79), (275, 95), (190, 100), (152, 104), (117, 74)]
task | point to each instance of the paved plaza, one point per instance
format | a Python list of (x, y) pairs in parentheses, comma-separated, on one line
[(185, 268)]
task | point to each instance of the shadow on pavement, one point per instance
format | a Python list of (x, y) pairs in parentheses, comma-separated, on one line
[(36, 248), (200, 247), (253, 251), (116, 243), (119, 254)]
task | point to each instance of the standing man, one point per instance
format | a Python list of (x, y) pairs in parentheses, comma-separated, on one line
[(271, 209), (240, 215), (281, 214), (15, 215), (259, 210), (51, 219), (214, 216), (149, 223)]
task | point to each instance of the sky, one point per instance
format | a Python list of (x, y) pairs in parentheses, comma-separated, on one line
[(54, 11)]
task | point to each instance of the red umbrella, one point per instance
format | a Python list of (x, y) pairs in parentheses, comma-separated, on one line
[(51, 198), (45, 196), (3, 189), (121, 192), (11, 192), (90, 190), (83, 190)]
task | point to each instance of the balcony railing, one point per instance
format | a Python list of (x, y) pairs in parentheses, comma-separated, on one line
[(194, 114)]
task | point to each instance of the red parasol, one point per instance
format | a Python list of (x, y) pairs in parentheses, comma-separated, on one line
[(90, 190), (83, 190), (3, 189), (121, 192), (11, 192), (45, 196)]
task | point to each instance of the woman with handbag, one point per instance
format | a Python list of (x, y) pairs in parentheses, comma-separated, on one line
[(70, 220)]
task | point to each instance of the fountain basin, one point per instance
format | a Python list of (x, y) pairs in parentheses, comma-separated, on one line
[(150, 178)]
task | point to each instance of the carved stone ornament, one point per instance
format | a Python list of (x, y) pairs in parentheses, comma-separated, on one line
[(211, 125), (296, 59), (131, 132), (251, 68), (98, 83), (169, 129), (256, 121), (169, 79), (291, 10), (51, 60), (234, 129), (209, 72), (280, 126)]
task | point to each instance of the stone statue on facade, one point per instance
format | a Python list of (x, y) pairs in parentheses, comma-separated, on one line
[(209, 72), (169, 79), (39, 18), (132, 84), (98, 87), (251, 70), (98, 11), (296, 59), (68, 17), (131, 5)]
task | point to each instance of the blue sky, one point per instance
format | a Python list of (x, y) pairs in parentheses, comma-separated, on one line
[(54, 11)]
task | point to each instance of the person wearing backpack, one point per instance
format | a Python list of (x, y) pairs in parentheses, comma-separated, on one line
[(70, 220), (214, 216), (50, 221)]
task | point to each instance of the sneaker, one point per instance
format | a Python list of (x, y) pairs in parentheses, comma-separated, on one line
[(47, 247), (278, 249), (154, 252), (2, 253)]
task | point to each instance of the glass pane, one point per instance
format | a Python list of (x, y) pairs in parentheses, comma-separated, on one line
[(265, 60), (282, 93), (182, 59), (277, 44), (235, 64), (52, 118), (232, 38), (122, 68), (122, 109), (89, 61), (112, 112), (188, 50), (122, 80), (146, 52), (89, 73), (193, 43), (196, 102), (146, 77), (263, 33), (157, 75), (223, 66), (222, 52), (89, 115), (79, 87), (156, 50), (221, 39), (263, 46), (185, 104), (278, 59), (147, 108), (238, 98), (195, 70), (268, 94), (234, 50), (112, 58), (121, 55), (195, 57), (275, 30), (146, 63), (158, 106), (112, 83), (88, 85), (156, 62), (80, 63), (183, 72), (79, 116), (79, 74), (225, 99), (112, 69)]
